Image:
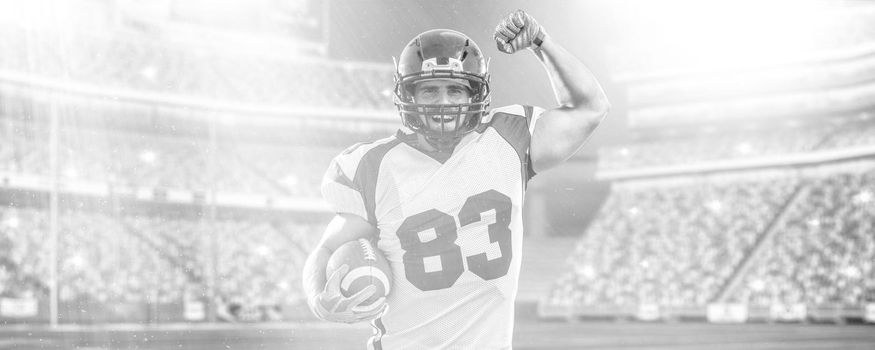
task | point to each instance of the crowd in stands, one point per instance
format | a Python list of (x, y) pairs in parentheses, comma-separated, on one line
[(296, 171), (672, 244), (140, 63), (853, 135), (144, 159), (680, 242), (718, 144), (824, 253), (708, 146), (98, 261), (22, 253), (761, 82), (118, 258), (257, 261)]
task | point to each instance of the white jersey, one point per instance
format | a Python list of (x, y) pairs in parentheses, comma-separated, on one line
[(451, 229)]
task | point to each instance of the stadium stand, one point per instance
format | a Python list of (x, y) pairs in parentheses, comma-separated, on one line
[(22, 263), (114, 258), (141, 63), (146, 159), (131, 254), (759, 82), (710, 145), (672, 244), (824, 252), (679, 242)]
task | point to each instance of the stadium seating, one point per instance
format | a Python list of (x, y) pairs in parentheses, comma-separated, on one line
[(22, 253), (732, 144), (141, 159), (825, 251), (677, 243), (142, 63), (670, 244), (114, 258)]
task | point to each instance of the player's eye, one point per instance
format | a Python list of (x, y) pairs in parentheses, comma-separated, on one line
[(427, 93), (457, 92)]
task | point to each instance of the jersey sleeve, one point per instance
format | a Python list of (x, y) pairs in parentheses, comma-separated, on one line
[(350, 183), (339, 190), (515, 124)]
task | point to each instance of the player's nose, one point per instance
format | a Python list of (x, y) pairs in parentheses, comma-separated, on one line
[(444, 98)]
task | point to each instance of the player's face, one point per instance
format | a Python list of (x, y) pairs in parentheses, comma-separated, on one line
[(445, 92)]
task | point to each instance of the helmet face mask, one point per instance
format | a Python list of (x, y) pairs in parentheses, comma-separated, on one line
[(442, 54)]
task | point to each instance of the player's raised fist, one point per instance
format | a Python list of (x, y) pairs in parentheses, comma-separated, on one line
[(517, 31)]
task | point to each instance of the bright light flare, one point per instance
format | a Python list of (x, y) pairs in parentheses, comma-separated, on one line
[(148, 157), (12, 222), (715, 206), (700, 35), (744, 148)]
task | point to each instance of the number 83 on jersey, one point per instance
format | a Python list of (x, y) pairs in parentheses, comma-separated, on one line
[(443, 245)]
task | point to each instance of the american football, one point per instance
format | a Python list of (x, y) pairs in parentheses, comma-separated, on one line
[(367, 266)]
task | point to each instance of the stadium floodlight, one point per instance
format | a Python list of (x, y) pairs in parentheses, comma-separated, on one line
[(77, 262), (149, 72), (263, 251), (148, 157), (12, 222), (744, 148), (586, 271), (852, 272), (290, 180), (757, 285), (864, 197), (715, 206), (71, 173)]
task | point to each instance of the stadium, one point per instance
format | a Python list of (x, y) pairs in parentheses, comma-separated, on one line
[(160, 170)]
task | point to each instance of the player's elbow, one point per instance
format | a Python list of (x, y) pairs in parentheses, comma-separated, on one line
[(600, 106)]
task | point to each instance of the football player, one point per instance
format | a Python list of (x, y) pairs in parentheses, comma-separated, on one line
[(442, 198)]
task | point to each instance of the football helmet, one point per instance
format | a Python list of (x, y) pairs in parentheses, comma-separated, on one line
[(442, 54)]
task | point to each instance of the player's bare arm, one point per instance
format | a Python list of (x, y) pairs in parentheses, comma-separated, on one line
[(562, 131), (323, 292)]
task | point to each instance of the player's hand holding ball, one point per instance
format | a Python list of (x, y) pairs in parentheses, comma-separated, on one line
[(331, 305), (360, 280), (518, 31)]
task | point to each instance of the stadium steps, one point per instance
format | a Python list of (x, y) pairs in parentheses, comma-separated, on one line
[(193, 276), (544, 260), (763, 242)]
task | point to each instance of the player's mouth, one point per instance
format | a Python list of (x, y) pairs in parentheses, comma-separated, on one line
[(443, 118)]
